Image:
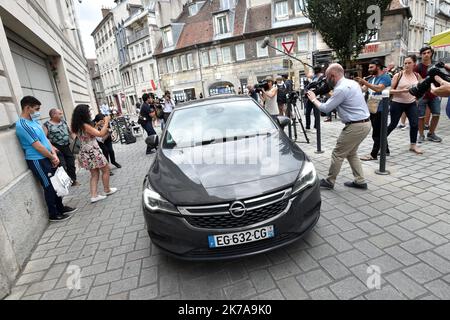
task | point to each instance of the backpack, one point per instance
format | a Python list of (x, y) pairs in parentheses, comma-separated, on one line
[(282, 93)]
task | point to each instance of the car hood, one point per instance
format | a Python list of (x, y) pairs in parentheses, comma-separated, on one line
[(224, 172)]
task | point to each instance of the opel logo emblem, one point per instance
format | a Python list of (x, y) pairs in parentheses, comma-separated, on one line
[(238, 209)]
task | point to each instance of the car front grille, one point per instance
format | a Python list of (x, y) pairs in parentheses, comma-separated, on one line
[(218, 217)]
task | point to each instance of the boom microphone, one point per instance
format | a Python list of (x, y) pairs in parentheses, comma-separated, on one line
[(265, 42)]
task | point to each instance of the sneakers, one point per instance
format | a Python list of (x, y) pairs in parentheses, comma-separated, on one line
[(98, 198), (111, 191), (433, 138), (60, 218), (324, 183), (69, 210), (401, 126), (421, 139), (355, 185)]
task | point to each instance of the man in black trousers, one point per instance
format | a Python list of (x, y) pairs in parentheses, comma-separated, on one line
[(145, 118)]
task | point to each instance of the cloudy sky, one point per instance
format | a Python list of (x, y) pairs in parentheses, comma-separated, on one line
[(90, 15)]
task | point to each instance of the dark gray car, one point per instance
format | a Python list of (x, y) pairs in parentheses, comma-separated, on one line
[(227, 182)]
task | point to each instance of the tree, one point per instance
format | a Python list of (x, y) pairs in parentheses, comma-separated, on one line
[(345, 25)]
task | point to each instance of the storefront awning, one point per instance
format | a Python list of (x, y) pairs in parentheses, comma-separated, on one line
[(441, 40), (365, 56)]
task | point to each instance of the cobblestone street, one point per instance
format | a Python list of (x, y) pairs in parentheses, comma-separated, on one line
[(401, 224)]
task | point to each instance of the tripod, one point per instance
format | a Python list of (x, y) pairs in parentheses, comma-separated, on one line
[(295, 115)]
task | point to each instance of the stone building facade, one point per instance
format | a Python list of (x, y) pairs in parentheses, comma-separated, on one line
[(40, 54)]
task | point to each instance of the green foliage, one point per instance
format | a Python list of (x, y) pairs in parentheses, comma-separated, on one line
[(344, 25)]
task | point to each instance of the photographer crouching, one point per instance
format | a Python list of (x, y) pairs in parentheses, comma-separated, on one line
[(349, 101)]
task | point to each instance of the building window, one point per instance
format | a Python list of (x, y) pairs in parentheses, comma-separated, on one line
[(240, 52), (226, 54), (303, 42), (176, 65), (213, 56), (149, 47), (222, 24), (167, 38), (226, 4), (169, 65), (281, 10), (193, 9), (144, 51), (136, 79), (299, 5), (138, 50), (141, 71), (205, 59), (190, 61), (152, 71), (183, 62), (260, 52)]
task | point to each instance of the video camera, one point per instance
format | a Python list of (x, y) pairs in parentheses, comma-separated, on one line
[(420, 89), (319, 87), (292, 97), (264, 84)]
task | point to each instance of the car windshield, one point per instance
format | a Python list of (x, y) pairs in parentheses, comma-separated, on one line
[(217, 123)]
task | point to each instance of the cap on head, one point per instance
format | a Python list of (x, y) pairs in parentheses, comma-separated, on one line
[(377, 62)]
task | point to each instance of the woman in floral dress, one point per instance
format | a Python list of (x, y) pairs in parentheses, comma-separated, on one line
[(91, 157)]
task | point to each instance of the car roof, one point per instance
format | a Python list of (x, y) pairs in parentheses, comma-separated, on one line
[(213, 100)]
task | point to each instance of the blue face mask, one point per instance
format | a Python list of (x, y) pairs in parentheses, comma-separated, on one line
[(36, 116)]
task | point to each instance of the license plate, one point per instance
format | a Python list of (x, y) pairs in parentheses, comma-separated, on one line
[(233, 239)]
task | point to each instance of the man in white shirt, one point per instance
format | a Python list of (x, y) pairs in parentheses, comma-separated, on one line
[(349, 101)]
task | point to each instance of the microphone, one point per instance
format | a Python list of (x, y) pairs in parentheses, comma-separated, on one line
[(265, 42)]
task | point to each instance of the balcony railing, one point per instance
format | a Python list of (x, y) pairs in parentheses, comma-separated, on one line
[(138, 35)]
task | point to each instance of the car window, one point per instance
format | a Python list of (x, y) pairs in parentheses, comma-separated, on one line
[(217, 123)]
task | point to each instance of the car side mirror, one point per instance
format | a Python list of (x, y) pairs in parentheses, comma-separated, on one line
[(152, 141), (283, 121)]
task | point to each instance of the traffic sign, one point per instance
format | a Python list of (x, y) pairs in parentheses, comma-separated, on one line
[(288, 46)]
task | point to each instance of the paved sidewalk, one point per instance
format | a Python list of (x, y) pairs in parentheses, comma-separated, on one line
[(401, 225)]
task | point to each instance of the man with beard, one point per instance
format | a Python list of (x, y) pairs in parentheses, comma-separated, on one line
[(349, 101), (376, 85)]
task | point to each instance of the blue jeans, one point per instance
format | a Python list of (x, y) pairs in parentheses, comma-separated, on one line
[(412, 113)]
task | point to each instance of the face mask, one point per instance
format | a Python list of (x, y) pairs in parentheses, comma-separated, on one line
[(36, 116)]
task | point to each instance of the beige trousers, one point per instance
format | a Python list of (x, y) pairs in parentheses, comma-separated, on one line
[(347, 148)]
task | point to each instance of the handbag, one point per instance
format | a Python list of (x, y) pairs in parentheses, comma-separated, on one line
[(61, 182), (75, 145), (373, 104)]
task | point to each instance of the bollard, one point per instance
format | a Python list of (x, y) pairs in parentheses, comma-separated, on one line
[(318, 121), (384, 118)]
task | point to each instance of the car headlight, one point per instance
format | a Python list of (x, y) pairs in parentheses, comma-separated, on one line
[(155, 202), (306, 179)]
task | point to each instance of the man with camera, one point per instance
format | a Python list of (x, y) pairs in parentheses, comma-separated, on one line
[(349, 102), (148, 112), (269, 95), (429, 100)]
